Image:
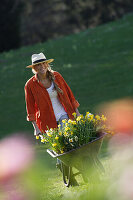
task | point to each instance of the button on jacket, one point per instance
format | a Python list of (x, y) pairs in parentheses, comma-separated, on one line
[(39, 105)]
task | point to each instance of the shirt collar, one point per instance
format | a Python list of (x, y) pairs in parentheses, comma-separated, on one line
[(36, 78)]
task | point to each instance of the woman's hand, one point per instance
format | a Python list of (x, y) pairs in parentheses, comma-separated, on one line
[(37, 131)]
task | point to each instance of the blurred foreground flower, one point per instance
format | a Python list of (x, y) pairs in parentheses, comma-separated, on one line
[(16, 154), (16, 158), (121, 165), (120, 115)]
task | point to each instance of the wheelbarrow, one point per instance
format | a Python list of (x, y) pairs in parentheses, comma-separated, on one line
[(81, 158)]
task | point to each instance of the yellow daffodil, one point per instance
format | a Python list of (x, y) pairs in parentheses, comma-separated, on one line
[(56, 137), (37, 137), (87, 113), (65, 134), (78, 118), (97, 117), (103, 118), (70, 121), (64, 121), (43, 140), (74, 114), (74, 122), (60, 133), (83, 121), (54, 144), (59, 126), (81, 116), (62, 151), (71, 133), (91, 117), (49, 134), (67, 128)]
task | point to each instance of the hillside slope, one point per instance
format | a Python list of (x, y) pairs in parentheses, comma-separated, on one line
[(97, 64)]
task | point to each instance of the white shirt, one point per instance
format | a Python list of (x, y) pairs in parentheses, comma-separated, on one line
[(57, 106)]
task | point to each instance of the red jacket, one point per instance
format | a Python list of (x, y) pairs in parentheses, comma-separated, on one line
[(39, 106)]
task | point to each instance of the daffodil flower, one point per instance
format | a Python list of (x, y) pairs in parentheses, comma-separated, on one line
[(78, 118), (88, 114), (74, 122), (91, 117), (60, 133), (70, 121), (49, 134), (54, 144), (56, 137), (43, 140), (97, 117), (62, 151), (64, 121), (67, 128), (66, 134), (76, 138), (103, 118), (74, 114), (70, 140)]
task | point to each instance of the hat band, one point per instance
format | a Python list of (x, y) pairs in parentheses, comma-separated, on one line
[(37, 61)]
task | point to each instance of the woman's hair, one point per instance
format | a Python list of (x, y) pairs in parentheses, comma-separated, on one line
[(51, 77)]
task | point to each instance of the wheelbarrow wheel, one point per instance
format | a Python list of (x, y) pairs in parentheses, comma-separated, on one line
[(68, 176), (66, 171)]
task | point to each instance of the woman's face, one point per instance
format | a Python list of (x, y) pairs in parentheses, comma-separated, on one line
[(41, 68)]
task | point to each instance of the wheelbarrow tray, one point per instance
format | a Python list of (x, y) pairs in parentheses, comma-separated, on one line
[(82, 156)]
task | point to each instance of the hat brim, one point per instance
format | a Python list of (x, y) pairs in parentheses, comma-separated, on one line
[(46, 61)]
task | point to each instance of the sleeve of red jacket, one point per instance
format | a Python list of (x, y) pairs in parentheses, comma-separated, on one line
[(70, 94), (30, 104)]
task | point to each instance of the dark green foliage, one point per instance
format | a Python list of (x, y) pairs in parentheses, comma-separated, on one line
[(9, 24), (43, 20), (28, 22)]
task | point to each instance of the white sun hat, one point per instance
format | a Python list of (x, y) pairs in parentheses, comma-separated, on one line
[(39, 58)]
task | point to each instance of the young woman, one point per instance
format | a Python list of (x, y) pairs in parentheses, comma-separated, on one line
[(49, 99)]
